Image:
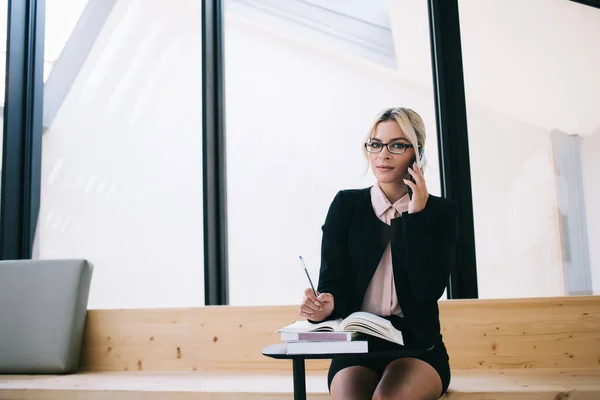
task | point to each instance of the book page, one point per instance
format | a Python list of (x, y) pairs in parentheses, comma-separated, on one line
[(366, 319), (305, 326), (373, 325)]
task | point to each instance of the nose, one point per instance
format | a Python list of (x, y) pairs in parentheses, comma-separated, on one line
[(384, 153)]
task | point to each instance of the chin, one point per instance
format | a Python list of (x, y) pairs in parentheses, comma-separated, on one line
[(388, 179)]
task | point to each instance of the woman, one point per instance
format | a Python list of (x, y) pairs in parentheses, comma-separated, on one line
[(387, 250)]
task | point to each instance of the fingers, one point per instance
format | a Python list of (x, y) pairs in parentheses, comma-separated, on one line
[(410, 184), (417, 174), (309, 293), (308, 309), (304, 315), (310, 302), (419, 170), (325, 298), (419, 189), (309, 313), (313, 310)]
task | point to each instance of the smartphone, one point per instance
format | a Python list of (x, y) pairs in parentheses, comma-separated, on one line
[(408, 188), (410, 177)]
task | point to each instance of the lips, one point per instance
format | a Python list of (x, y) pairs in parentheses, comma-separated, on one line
[(384, 168)]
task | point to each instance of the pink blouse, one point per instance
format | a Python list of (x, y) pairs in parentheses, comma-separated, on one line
[(381, 298)]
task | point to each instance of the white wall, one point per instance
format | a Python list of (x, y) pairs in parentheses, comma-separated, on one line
[(122, 162), (517, 239), (122, 167), (535, 64), (590, 162), (534, 60), (61, 18), (296, 120), (511, 58)]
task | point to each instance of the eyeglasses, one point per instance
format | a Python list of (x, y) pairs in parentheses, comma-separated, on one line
[(393, 147)]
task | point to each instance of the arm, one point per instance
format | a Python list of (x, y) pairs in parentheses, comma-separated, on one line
[(333, 275), (430, 238)]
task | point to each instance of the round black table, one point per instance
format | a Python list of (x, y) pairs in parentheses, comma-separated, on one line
[(278, 351)]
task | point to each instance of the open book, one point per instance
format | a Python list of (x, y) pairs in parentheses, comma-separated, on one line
[(360, 321)]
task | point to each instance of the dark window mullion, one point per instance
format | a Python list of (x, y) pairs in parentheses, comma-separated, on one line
[(22, 138), (453, 140), (214, 183)]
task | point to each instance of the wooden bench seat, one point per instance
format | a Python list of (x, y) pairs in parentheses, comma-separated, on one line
[(159, 385), (500, 349), (514, 384)]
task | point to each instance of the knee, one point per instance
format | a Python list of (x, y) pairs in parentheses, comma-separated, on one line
[(399, 392)]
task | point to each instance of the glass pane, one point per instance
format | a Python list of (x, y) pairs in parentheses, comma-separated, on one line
[(532, 92), (122, 159), (300, 102), (61, 18)]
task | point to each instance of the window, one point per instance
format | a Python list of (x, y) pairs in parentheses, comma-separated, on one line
[(60, 23), (122, 156), (304, 82), (532, 92)]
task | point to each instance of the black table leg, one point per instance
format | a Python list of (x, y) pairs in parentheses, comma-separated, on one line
[(299, 379)]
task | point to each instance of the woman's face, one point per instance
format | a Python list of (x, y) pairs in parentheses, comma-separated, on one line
[(388, 167)]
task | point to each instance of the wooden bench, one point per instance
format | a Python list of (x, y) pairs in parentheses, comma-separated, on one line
[(545, 348)]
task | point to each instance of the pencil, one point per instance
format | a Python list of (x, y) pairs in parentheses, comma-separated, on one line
[(308, 276)]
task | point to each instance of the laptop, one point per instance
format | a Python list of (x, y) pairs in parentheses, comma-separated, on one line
[(43, 308)]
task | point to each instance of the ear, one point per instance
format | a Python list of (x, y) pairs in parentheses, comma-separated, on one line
[(420, 157)]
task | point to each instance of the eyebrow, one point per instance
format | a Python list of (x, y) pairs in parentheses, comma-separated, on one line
[(392, 140)]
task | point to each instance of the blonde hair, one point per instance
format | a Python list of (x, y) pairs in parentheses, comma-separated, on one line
[(411, 124)]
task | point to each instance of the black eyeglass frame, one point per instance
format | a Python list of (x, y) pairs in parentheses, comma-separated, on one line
[(387, 145)]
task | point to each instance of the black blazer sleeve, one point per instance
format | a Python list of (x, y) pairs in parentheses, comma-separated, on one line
[(430, 238), (334, 275)]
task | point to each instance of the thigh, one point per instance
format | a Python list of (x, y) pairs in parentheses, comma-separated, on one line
[(409, 378), (354, 382)]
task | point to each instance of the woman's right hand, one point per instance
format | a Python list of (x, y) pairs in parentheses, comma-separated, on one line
[(316, 308)]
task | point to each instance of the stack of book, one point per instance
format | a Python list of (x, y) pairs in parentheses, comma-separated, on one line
[(347, 335)]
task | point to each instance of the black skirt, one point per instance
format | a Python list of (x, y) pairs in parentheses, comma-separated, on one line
[(436, 357)]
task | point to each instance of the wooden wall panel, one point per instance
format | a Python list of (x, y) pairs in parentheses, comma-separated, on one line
[(479, 334)]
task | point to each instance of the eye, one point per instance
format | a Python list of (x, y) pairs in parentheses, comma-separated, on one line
[(398, 146), (376, 145)]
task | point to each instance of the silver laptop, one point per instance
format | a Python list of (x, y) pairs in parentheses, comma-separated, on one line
[(43, 307)]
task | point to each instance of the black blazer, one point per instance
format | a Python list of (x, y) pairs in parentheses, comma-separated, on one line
[(422, 245)]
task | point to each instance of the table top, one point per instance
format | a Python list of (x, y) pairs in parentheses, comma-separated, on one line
[(279, 351)]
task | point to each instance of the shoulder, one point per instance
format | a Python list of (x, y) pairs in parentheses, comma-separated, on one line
[(348, 200), (352, 196), (442, 206), (441, 202)]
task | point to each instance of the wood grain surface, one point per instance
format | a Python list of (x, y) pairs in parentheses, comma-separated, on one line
[(559, 332)]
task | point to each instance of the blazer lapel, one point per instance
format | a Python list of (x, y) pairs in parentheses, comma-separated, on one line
[(369, 239)]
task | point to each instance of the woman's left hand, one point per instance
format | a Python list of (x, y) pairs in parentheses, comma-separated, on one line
[(419, 189)]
